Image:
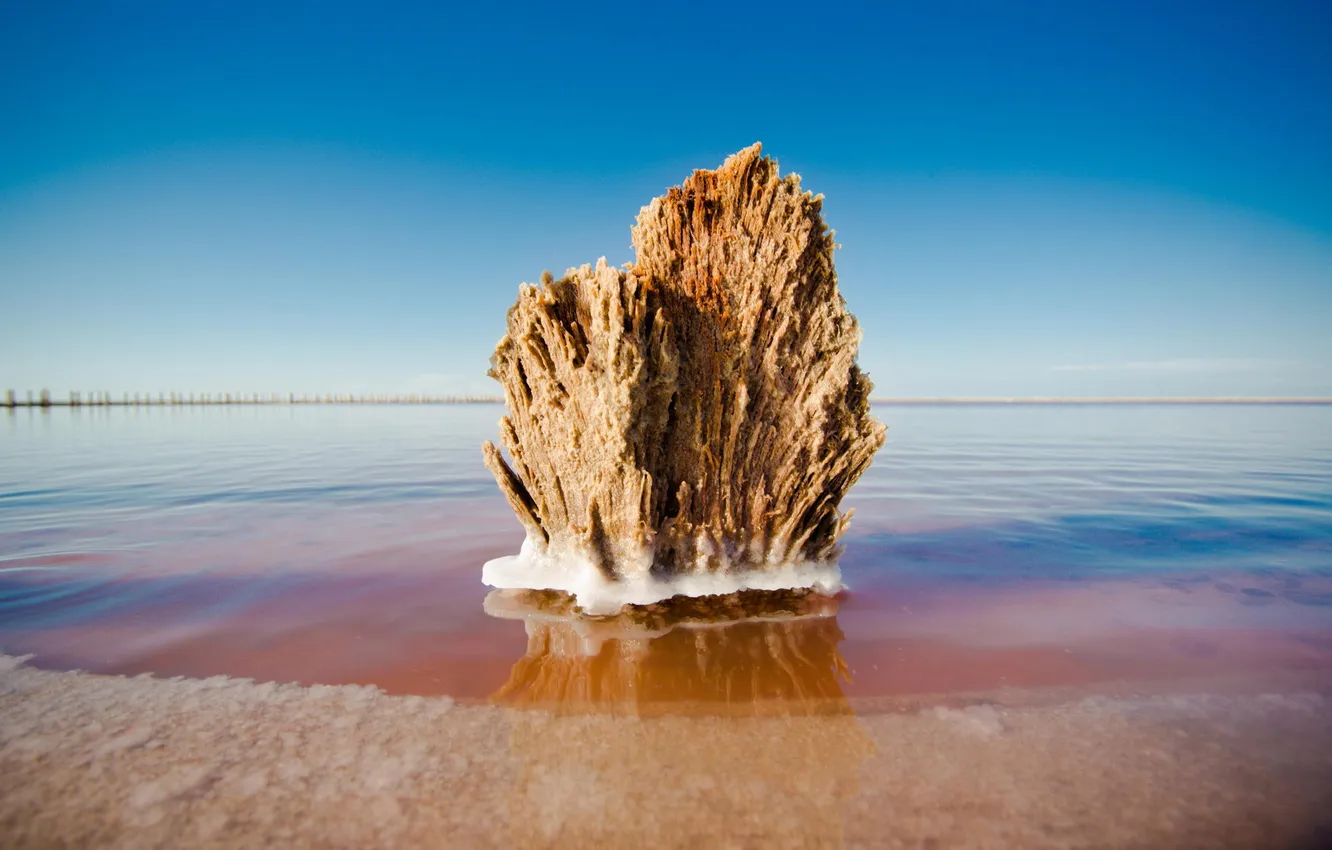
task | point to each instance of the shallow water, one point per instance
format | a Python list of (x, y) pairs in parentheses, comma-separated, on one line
[(993, 547)]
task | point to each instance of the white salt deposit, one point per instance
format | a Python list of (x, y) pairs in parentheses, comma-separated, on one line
[(982, 720), (575, 574), (240, 765)]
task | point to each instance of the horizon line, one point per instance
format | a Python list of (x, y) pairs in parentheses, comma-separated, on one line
[(11, 400), (1103, 400)]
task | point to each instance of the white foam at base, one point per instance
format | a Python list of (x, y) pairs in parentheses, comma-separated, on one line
[(576, 575)]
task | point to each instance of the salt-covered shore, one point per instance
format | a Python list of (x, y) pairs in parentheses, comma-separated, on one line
[(100, 761)]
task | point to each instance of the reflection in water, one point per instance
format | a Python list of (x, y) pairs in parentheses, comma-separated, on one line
[(746, 715), (763, 654)]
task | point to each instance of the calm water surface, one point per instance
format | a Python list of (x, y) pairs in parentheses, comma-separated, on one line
[(993, 546)]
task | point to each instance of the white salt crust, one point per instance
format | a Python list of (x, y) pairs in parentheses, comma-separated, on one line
[(219, 764), (576, 575)]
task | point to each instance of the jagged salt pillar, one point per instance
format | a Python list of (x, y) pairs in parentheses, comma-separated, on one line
[(688, 424)]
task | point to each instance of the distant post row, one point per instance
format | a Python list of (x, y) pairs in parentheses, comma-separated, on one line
[(43, 398), (106, 399)]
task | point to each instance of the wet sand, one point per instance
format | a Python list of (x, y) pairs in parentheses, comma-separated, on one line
[(103, 761)]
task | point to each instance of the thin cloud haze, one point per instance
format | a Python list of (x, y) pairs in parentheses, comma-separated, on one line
[(1181, 365)]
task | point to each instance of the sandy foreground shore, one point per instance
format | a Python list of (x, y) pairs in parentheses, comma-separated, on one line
[(102, 761)]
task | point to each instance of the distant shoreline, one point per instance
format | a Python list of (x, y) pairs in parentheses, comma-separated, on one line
[(1142, 400), (12, 401), (44, 400)]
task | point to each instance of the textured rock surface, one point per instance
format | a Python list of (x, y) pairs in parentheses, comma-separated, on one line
[(702, 410)]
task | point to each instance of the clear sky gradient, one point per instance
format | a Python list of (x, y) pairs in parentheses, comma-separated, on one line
[(1033, 198)]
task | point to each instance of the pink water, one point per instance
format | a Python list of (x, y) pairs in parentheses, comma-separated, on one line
[(993, 548)]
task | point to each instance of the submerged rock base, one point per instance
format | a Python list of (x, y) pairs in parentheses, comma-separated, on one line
[(753, 653), (690, 423)]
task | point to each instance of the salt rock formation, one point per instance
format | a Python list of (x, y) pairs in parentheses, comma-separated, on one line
[(690, 423)]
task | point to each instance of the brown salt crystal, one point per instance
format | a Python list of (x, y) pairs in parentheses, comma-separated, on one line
[(699, 411)]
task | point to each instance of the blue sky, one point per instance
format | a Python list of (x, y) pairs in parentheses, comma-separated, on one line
[(1053, 198)]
